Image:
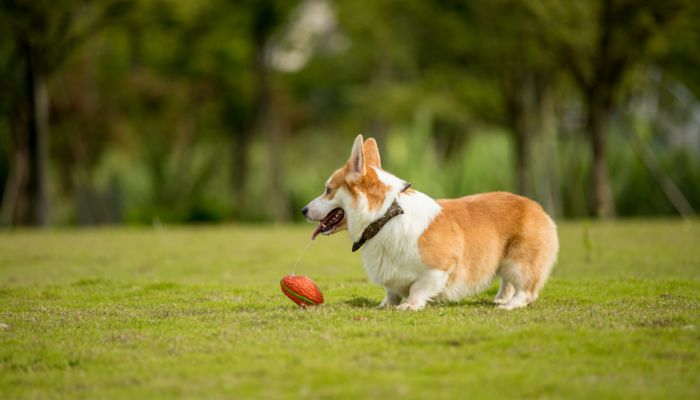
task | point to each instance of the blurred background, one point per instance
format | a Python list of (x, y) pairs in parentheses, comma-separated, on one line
[(179, 111)]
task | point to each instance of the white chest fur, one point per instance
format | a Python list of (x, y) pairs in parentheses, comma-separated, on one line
[(392, 258)]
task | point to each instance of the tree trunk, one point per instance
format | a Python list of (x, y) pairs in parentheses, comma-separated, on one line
[(37, 136), (522, 161), (603, 205), (17, 179), (545, 153), (518, 95), (263, 23), (276, 130), (240, 169)]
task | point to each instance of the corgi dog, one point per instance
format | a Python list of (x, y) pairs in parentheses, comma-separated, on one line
[(422, 250)]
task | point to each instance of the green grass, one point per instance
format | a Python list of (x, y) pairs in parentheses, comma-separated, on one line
[(197, 312)]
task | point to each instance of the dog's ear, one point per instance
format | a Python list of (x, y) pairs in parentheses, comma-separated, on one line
[(372, 153), (356, 163)]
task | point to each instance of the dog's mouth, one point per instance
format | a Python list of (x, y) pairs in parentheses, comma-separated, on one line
[(330, 223)]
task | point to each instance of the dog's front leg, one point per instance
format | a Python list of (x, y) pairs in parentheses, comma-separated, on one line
[(424, 288), (391, 299)]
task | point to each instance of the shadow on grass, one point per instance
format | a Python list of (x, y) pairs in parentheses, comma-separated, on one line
[(361, 302), (364, 302), (482, 303)]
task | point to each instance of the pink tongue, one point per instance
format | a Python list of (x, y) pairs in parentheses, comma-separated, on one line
[(316, 231)]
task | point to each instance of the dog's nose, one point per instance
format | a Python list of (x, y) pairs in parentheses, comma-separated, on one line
[(304, 211)]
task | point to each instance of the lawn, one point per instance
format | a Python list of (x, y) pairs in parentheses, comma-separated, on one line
[(197, 312)]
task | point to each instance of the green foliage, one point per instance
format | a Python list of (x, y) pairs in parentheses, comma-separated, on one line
[(175, 110), (197, 312)]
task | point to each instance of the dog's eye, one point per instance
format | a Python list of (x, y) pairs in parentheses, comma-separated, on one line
[(328, 191)]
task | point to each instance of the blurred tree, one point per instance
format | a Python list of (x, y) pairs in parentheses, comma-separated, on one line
[(231, 54), (382, 63), (679, 53), (599, 42), (43, 35), (269, 100), (494, 47), (525, 75), (195, 111)]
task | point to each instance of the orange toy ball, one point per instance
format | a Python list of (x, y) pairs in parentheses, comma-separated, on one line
[(301, 290)]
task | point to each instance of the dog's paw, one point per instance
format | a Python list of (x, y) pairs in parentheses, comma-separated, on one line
[(384, 304), (388, 303), (512, 305), (410, 306), (500, 300)]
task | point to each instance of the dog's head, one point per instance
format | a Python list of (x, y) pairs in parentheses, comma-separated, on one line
[(355, 194)]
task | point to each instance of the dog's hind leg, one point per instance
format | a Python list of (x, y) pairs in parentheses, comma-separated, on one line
[(390, 300), (427, 286), (514, 283), (505, 292), (528, 263), (519, 300)]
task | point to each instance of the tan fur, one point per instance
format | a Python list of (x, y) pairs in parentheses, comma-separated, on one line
[(373, 189), (369, 184), (337, 180), (371, 151), (473, 236)]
